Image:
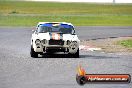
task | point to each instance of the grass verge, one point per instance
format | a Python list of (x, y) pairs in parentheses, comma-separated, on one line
[(126, 43), (12, 20), (20, 13)]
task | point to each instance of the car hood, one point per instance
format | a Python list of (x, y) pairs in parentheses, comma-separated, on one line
[(55, 36), (68, 36), (42, 36)]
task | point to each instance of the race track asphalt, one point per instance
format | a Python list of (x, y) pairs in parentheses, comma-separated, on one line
[(19, 70)]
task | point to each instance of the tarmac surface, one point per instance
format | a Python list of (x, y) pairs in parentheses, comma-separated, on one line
[(19, 70)]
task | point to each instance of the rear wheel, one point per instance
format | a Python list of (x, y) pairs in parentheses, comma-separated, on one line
[(33, 53)]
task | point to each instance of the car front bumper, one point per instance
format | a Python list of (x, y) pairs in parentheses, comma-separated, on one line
[(71, 48)]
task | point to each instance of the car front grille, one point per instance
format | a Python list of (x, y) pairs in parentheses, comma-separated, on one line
[(56, 42)]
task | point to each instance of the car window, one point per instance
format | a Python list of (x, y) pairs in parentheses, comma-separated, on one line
[(43, 29), (66, 29)]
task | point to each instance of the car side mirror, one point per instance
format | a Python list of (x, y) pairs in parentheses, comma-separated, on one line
[(33, 31), (73, 32)]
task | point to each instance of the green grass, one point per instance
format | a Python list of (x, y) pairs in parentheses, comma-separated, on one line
[(76, 20), (63, 8), (126, 43), (18, 13)]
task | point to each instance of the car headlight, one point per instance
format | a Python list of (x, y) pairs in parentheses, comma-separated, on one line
[(74, 43), (37, 42), (44, 41)]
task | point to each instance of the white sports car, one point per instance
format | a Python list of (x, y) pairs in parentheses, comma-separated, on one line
[(51, 37)]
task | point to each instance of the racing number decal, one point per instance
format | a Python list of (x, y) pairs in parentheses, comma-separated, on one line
[(55, 36)]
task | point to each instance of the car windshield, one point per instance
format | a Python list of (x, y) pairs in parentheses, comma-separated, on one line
[(61, 28)]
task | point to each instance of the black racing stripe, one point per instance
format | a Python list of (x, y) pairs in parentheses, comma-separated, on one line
[(50, 34), (61, 36)]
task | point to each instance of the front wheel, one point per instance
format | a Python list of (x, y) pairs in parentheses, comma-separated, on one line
[(33, 53), (75, 55)]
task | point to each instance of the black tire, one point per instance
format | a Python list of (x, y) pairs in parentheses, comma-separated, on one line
[(76, 55), (33, 53)]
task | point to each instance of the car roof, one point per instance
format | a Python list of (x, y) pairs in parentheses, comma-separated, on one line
[(55, 23)]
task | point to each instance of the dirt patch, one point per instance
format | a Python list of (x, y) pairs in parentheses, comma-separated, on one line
[(109, 45)]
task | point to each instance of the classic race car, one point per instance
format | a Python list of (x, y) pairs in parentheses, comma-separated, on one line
[(51, 37)]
